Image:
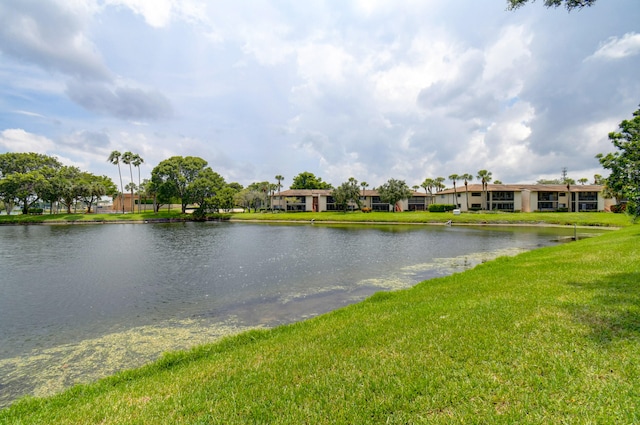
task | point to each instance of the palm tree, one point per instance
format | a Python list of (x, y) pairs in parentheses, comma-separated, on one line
[(364, 185), (136, 161), (485, 177), (127, 158), (439, 183), (583, 181), (279, 178), (454, 178), (428, 185), (467, 178), (114, 158)]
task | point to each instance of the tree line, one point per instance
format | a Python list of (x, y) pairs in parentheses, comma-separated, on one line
[(28, 178)]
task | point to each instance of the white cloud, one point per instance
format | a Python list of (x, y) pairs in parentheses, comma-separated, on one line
[(19, 140), (618, 48)]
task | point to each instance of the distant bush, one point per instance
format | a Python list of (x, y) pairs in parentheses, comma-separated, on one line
[(618, 208), (36, 211), (366, 210), (441, 207)]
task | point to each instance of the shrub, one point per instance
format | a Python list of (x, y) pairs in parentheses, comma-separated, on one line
[(618, 208), (366, 210), (441, 207), (36, 211)]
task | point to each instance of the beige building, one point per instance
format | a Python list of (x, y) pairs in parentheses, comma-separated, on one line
[(319, 200), (527, 197)]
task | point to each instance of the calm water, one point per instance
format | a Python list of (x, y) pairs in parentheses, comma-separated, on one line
[(79, 302)]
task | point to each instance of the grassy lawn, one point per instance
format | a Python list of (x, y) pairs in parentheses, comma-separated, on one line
[(580, 219), (548, 336), (88, 218)]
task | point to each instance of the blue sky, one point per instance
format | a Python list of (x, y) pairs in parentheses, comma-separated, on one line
[(370, 89)]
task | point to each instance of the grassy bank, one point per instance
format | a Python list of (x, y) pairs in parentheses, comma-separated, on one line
[(580, 219), (549, 336), (95, 218)]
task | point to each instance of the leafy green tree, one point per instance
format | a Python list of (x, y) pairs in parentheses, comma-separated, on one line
[(185, 178), (394, 191), (24, 188), (70, 187), (114, 158), (225, 198), (624, 164), (485, 178), (568, 4), (307, 180), (23, 177), (92, 188), (205, 188), (347, 192), (439, 184), (17, 162)]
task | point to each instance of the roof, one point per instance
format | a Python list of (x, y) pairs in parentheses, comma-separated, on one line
[(526, 187), (327, 192)]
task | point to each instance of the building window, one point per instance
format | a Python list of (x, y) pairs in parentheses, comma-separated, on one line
[(476, 193)]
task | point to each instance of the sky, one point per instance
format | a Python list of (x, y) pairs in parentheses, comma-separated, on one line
[(371, 89)]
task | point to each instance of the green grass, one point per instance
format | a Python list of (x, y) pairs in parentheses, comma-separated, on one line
[(89, 218), (580, 219), (548, 336)]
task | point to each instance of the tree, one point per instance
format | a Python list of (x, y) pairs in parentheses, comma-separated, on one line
[(568, 4), (394, 191), (364, 185), (624, 164), (485, 178), (137, 161), (307, 180), (114, 158), (439, 183), (467, 178), (454, 178), (347, 192), (185, 178), (279, 179), (428, 185), (205, 188), (127, 158), (91, 188), (583, 181), (24, 176)]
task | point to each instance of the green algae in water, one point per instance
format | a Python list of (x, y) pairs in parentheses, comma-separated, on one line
[(48, 371)]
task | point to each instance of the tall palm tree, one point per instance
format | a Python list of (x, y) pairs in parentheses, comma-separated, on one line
[(428, 185), (114, 158), (467, 178), (137, 161), (454, 178), (485, 177), (439, 183), (127, 158), (364, 185), (279, 179)]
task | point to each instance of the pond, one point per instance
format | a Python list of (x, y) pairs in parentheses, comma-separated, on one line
[(79, 302)]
